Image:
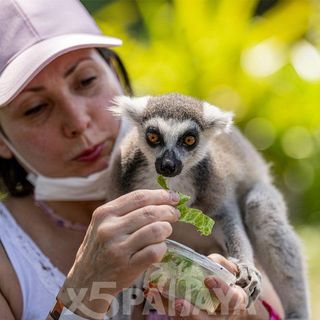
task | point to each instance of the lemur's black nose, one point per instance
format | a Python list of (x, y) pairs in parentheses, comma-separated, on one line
[(168, 165)]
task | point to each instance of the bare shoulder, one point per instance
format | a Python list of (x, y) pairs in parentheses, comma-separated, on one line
[(10, 292)]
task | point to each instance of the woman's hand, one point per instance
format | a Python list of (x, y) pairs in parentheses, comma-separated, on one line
[(124, 238), (233, 300)]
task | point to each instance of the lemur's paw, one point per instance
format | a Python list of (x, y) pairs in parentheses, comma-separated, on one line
[(248, 278)]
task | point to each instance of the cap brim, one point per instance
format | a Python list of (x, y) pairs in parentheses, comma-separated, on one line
[(26, 65)]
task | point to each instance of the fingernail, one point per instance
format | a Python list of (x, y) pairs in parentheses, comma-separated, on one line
[(174, 196), (211, 283)]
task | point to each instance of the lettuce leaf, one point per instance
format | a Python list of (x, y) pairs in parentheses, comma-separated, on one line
[(179, 277), (202, 222)]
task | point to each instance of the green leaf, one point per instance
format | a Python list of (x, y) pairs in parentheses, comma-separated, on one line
[(196, 217), (162, 182), (183, 198)]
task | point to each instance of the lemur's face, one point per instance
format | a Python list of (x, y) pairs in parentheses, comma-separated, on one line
[(173, 129), (173, 146)]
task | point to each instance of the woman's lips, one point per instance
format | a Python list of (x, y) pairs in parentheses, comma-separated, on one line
[(90, 154)]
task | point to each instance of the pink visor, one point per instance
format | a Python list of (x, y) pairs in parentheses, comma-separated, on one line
[(33, 33)]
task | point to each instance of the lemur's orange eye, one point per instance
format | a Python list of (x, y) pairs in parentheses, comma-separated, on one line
[(153, 137), (189, 140)]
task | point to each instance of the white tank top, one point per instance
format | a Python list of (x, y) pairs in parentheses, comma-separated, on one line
[(40, 281)]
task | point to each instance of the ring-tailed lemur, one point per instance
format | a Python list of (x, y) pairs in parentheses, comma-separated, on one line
[(195, 144)]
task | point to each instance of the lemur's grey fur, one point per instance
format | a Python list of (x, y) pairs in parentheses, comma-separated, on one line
[(227, 180)]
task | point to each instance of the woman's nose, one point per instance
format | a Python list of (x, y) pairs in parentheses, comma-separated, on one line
[(75, 118)]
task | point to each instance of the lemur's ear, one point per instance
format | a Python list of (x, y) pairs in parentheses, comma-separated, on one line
[(216, 119), (131, 108)]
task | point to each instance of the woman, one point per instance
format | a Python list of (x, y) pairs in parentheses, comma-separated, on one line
[(61, 246)]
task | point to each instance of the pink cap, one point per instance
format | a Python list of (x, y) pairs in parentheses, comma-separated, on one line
[(35, 32)]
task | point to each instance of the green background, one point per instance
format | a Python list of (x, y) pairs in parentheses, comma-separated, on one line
[(260, 59)]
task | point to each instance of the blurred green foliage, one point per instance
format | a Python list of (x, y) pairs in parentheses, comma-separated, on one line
[(258, 58)]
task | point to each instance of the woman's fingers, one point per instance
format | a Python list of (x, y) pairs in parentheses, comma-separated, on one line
[(230, 266), (146, 245), (146, 215), (151, 254), (138, 199), (231, 298), (152, 233)]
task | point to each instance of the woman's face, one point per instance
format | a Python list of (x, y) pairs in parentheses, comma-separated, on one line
[(60, 123)]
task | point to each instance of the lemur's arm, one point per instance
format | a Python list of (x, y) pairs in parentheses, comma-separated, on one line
[(238, 246)]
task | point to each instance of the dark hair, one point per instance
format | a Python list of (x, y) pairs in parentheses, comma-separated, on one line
[(118, 67), (13, 176)]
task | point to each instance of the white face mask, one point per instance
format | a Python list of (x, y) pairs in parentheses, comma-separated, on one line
[(92, 187)]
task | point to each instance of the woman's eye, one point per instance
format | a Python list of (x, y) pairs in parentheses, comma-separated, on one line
[(36, 109), (189, 140), (153, 137), (87, 82)]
